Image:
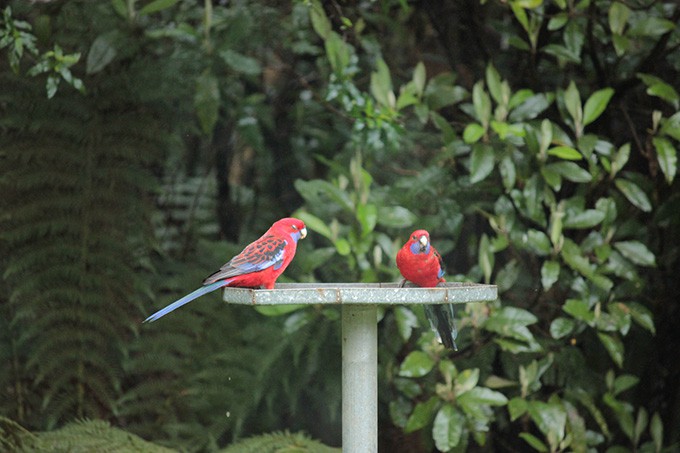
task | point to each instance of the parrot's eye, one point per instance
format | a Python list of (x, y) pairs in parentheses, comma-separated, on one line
[(414, 237), (295, 228)]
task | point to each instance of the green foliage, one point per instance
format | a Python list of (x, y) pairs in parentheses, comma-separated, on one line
[(81, 436), (536, 141), (279, 442), (16, 36)]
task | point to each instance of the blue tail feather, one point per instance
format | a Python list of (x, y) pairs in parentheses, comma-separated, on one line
[(186, 299)]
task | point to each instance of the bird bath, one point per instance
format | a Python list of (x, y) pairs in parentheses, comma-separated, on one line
[(359, 303)]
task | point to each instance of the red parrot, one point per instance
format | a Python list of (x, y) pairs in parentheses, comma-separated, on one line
[(258, 265), (420, 263)]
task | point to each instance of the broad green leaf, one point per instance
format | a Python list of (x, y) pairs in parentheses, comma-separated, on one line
[(618, 16), (517, 407), (637, 252), (481, 162), (314, 223), (320, 22), (584, 219), (634, 194), (551, 419), (482, 396), (572, 255), (659, 88), (338, 52), (343, 247), (623, 412), (570, 171), (651, 26), (508, 172), (497, 382), (596, 104), (406, 321), (120, 7), (381, 84), (622, 44), (101, 53), (538, 241), (156, 5), (579, 309), (527, 4), (572, 101), (466, 380), (493, 81), (562, 52), (419, 78), (546, 136), (656, 431), (574, 38), (422, 415), (395, 216), (407, 96), (551, 177), (667, 157), (530, 108), (319, 192), (511, 322), (671, 126), (207, 101), (518, 347), (561, 327), (399, 409), (447, 427), (642, 315), (620, 158), (507, 276), (565, 152), (534, 441), (533, 199), (481, 103), (486, 257), (576, 427), (298, 320), (550, 273), (624, 382), (416, 364), (503, 129), (614, 347), (367, 215), (240, 63), (558, 21), (473, 132)]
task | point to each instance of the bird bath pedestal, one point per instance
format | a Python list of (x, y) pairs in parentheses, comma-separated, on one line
[(360, 336)]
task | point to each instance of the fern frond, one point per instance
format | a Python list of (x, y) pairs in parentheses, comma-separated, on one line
[(279, 442)]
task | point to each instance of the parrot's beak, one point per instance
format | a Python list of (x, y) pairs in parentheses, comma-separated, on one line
[(303, 233), (423, 243)]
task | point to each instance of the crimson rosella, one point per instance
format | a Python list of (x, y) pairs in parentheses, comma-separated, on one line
[(258, 265), (420, 263)]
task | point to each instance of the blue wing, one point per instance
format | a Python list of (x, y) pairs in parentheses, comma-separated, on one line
[(266, 252), (443, 322), (186, 299)]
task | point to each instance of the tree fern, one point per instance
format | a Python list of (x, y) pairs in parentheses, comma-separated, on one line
[(75, 197), (279, 442)]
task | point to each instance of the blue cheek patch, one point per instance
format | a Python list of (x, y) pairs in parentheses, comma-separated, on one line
[(415, 248), (295, 236)]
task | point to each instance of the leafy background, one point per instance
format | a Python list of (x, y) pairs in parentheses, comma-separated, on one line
[(142, 143)]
